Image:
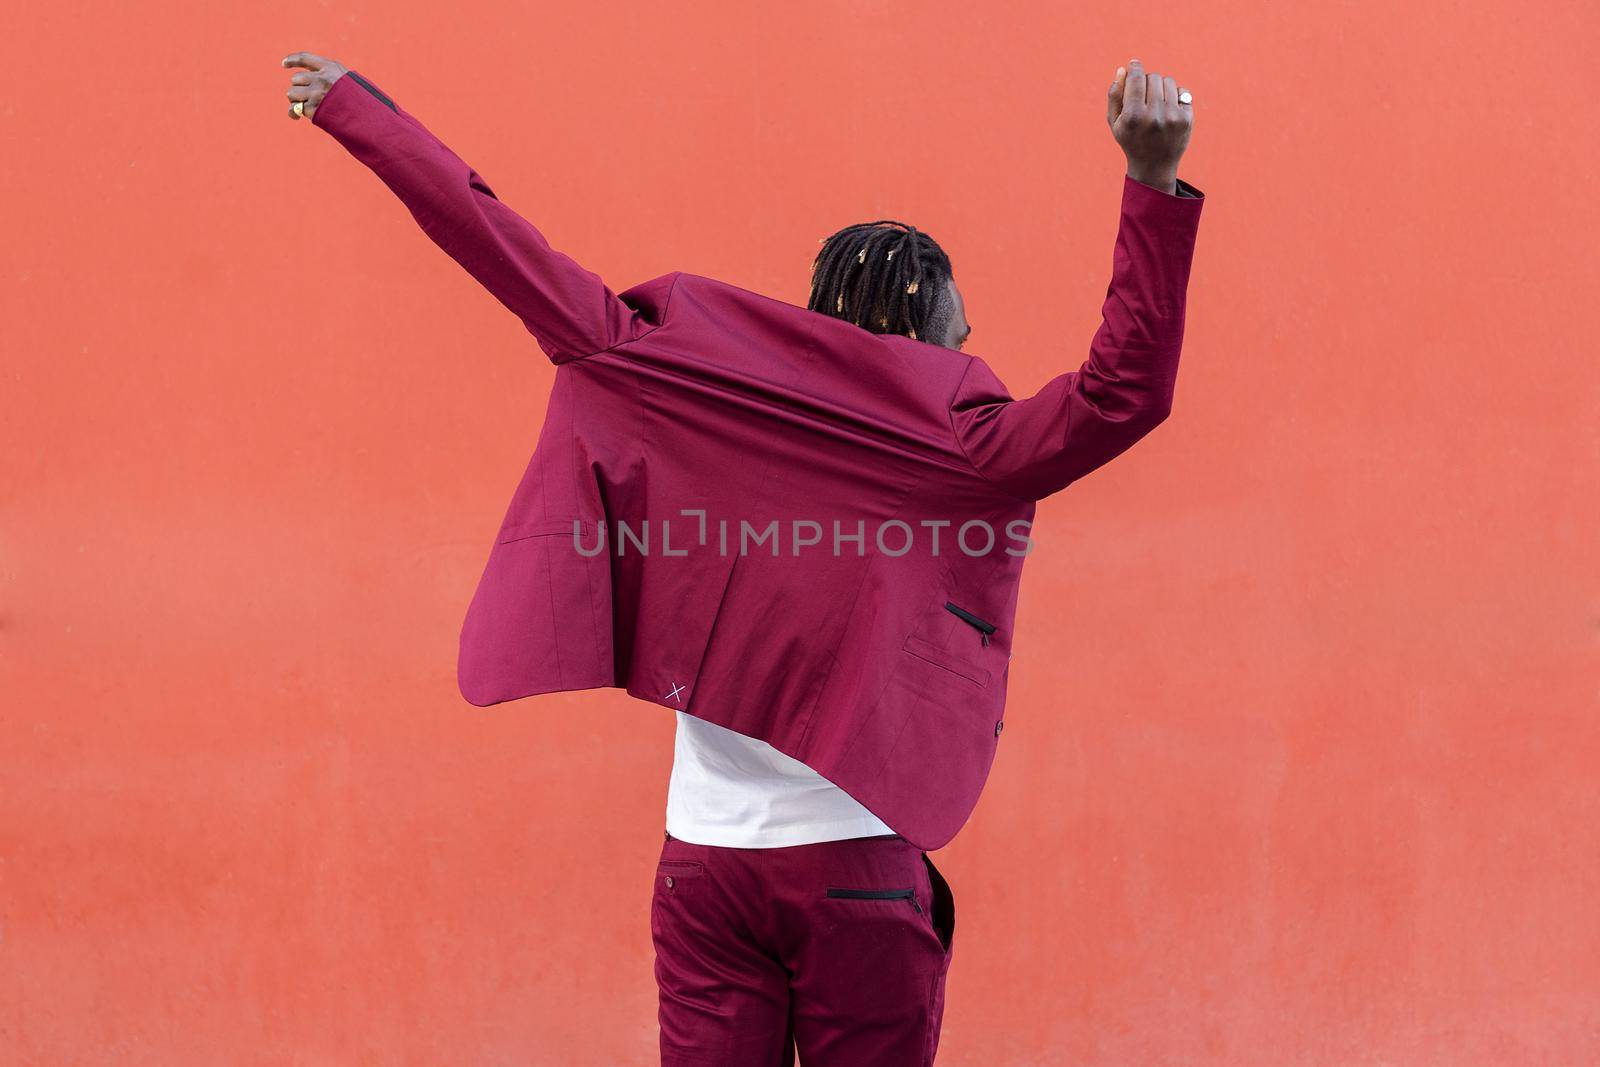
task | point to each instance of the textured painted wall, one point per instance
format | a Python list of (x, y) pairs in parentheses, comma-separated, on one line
[(1302, 763)]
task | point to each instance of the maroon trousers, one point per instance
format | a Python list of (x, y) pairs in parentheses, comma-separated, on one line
[(837, 949)]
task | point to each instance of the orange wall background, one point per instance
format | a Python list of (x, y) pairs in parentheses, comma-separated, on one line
[(1303, 759)]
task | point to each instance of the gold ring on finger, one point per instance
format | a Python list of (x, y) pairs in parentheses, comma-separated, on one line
[(299, 109), (1184, 97)]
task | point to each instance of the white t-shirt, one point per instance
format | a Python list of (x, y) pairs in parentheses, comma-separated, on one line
[(735, 791)]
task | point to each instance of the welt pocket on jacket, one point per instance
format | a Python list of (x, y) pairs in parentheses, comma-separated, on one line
[(984, 627), (943, 658), (518, 531)]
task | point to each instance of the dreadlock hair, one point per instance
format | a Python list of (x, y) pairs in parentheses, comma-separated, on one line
[(885, 276)]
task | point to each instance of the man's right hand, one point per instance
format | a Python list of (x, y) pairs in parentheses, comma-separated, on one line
[(1149, 123), (311, 82)]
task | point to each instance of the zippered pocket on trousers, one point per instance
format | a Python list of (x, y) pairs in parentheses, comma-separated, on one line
[(984, 628), (877, 894)]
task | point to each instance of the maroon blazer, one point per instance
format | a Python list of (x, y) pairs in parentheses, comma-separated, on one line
[(770, 518)]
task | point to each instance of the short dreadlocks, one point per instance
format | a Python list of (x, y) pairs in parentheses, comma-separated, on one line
[(885, 276)]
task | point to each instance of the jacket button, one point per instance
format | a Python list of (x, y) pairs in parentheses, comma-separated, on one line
[(669, 881), (997, 727)]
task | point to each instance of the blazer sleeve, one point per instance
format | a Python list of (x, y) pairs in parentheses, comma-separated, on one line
[(1084, 418), (569, 310)]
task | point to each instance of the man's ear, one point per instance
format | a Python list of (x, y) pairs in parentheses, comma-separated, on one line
[(939, 319)]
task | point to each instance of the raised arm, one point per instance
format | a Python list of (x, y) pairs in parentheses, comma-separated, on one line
[(1084, 418), (569, 310)]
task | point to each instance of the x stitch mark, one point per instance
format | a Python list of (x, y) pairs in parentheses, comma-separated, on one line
[(676, 689)]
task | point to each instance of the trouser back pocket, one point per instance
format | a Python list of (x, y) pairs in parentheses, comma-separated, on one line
[(877, 894)]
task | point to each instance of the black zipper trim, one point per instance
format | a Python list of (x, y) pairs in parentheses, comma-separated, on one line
[(373, 89), (878, 894), (985, 628)]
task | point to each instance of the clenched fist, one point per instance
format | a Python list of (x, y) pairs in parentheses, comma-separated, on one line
[(311, 83), (1150, 124)]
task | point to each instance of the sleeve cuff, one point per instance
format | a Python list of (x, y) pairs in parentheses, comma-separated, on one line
[(344, 93), (1132, 187), (1159, 208)]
